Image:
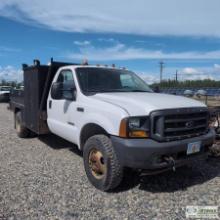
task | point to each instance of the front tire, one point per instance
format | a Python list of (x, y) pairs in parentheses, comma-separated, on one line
[(101, 164), (21, 130)]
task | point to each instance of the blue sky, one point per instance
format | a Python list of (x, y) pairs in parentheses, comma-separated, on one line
[(185, 35)]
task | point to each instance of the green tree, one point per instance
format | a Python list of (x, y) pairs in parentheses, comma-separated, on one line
[(188, 83)]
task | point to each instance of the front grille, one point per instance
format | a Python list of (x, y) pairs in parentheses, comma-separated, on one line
[(177, 124)]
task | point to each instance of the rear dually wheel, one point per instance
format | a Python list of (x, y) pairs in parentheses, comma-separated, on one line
[(21, 130)]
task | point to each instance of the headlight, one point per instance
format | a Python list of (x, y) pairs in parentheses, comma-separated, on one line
[(135, 127), (134, 123)]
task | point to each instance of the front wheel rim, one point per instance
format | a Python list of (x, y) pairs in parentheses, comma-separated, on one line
[(97, 164)]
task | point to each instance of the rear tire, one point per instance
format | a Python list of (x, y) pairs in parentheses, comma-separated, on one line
[(101, 164), (21, 130)]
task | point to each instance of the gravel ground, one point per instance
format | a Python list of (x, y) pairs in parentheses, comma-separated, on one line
[(44, 178)]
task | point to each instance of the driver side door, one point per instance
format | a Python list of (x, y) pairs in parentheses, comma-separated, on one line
[(61, 107)]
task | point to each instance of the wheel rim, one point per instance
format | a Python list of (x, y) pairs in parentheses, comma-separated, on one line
[(18, 125), (97, 164)]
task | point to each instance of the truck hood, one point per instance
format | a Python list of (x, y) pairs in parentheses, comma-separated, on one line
[(140, 103)]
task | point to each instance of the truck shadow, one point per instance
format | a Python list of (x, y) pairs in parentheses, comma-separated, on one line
[(58, 143), (170, 181)]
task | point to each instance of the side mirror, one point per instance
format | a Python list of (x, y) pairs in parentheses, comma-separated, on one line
[(56, 91), (156, 89), (69, 91)]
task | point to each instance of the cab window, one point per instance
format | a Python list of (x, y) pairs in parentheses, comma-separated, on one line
[(65, 76)]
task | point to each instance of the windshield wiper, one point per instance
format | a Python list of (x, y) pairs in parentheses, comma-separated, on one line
[(107, 90), (100, 90), (138, 90), (115, 90)]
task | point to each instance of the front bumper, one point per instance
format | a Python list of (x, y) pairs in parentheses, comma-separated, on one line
[(149, 154)]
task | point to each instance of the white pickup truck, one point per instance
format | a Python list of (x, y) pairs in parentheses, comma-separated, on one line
[(5, 93), (113, 117)]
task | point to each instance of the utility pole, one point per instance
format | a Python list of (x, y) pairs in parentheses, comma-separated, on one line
[(176, 75), (161, 63)]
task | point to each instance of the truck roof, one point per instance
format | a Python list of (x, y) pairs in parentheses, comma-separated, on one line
[(94, 66)]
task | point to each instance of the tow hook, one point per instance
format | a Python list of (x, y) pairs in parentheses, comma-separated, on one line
[(170, 160)]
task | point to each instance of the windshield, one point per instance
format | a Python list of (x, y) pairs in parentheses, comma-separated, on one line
[(96, 80)]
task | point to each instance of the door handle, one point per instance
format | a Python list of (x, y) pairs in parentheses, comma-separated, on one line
[(50, 104), (80, 109)]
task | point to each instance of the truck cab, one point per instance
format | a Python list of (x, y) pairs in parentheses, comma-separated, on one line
[(114, 117)]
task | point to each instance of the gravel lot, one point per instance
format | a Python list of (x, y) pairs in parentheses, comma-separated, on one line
[(44, 178)]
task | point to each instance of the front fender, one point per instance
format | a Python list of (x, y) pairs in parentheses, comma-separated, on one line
[(110, 126)]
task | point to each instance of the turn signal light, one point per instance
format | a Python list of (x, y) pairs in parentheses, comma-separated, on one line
[(123, 129), (138, 134)]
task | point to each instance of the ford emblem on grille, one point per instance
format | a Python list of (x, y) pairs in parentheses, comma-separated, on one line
[(189, 124)]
